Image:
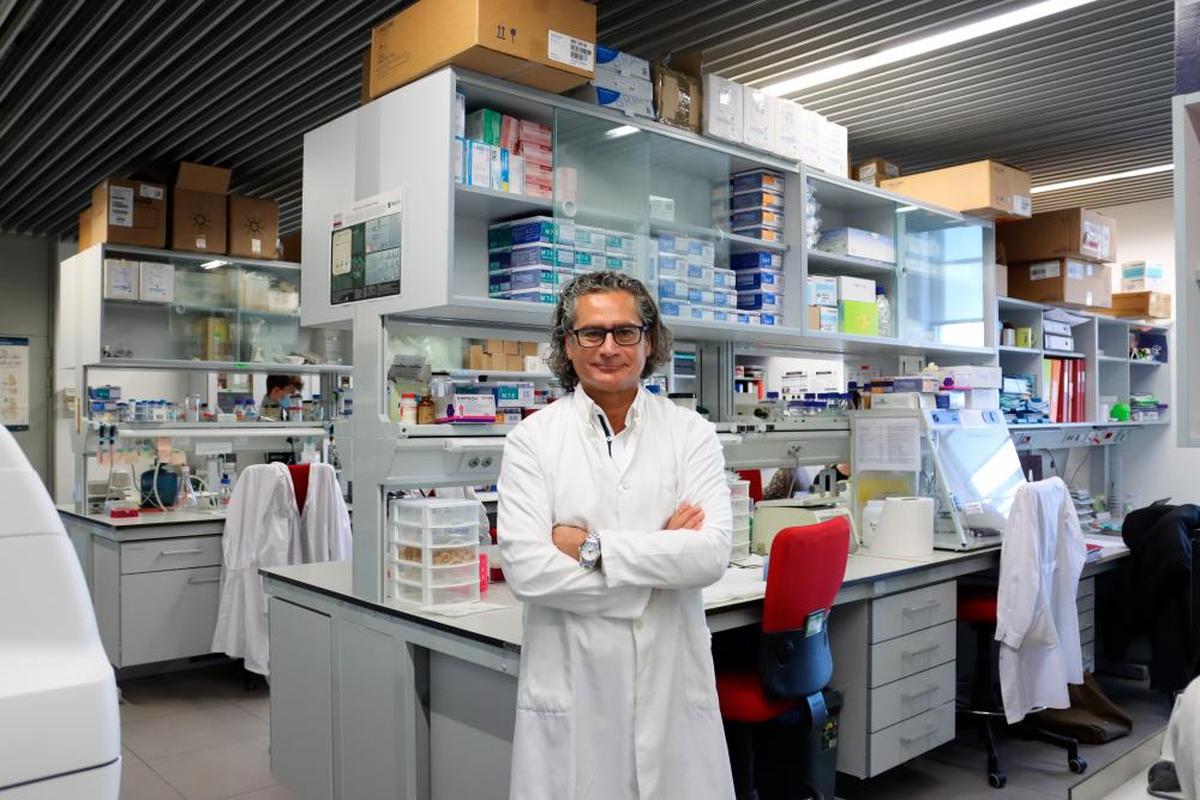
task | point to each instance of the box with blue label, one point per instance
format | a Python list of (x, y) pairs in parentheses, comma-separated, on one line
[(760, 232), (747, 317), (532, 255), (523, 278), (673, 289), (756, 179), (612, 60), (724, 278), (760, 301), (671, 265), (751, 279), (541, 229), (857, 243), (756, 259), (757, 198), (620, 243), (627, 85), (771, 318), (823, 290), (1143, 276), (670, 243), (633, 104), (701, 251), (726, 298), (674, 308), (588, 237), (757, 216), (529, 295)]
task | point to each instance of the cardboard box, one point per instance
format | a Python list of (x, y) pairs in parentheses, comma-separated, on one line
[(514, 362), (529, 348), (1140, 305), (1064, 281), (860, 290), (549, 46), (85, 229), (822, 291), (1143, 276), (1069, 233), (1002, 280), (476, 356), (121, 279), (722, 108), (678, 98), (289, 247), (364, 93), (875, 171), (823, 318), (253, 227), (198, 208), (129, 212), (856, 243), (983, 188), (156, 282)]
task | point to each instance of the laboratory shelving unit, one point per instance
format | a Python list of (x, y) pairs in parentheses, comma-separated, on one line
[(169, 349)]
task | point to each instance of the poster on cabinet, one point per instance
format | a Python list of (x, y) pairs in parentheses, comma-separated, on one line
[(14, 383), (364, 250)]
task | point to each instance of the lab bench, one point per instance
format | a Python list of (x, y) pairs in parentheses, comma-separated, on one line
[(154, 579), (354, 679)]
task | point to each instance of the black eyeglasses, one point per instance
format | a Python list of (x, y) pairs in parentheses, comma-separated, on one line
[(624, 335)]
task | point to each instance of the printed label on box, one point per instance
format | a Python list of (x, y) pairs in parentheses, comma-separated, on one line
[(1095, 239), (571, 51), (256, 246), (1022, 205), (120, 206), (1044, 270), (150, 191), (1075, 270)]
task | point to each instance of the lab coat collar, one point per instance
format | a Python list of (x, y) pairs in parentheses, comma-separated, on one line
[(587, 409)]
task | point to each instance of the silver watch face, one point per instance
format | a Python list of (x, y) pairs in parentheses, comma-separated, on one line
[(589, 552)]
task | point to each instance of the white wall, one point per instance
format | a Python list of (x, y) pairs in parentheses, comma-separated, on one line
[(1153, 466)]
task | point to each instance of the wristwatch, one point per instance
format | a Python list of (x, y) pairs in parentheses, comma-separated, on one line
[(589, 551)]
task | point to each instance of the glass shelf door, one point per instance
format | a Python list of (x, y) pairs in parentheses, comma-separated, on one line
[(941, 298)]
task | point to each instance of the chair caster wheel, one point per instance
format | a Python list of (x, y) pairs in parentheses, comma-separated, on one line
[(997, 780), (1078, 764)]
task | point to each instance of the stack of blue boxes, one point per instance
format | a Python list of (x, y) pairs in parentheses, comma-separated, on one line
[(756, 211)]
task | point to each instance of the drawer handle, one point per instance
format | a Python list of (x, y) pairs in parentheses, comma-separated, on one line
[(930, 689), (921, 652), (187, 551), (907, 740), (932, 604), (195, 581)]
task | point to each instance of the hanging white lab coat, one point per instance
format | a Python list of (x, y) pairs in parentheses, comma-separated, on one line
[(325, 521), (260, 527), (1037, 623), (264, 528), (616, 697)]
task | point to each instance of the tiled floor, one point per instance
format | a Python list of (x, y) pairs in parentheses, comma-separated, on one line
[(198, 735), (201, 735)]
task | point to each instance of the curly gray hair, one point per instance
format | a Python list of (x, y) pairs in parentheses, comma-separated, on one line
[(594, 283)]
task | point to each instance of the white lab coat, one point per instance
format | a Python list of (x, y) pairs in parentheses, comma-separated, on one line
[(1037, 623), (617, 697), (264, 528)]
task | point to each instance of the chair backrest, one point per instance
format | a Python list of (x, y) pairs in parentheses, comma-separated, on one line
[(807, 566), (299, 474)]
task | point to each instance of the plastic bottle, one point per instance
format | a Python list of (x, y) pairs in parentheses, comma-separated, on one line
[(226, 493), (239, 411), (251, 410), (408, 408), (884, 307)]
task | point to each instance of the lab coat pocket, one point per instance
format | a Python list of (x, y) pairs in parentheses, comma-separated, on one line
[(544, 686), (699, 680)]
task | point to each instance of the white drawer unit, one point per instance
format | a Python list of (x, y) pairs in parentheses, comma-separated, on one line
[(894, 663), (166, 614), (907, 612), (905, 740), (160, 554), (1089, 657), (1087, 620), (910, 696), (905, 655), (1087, 588), (1085, 603)]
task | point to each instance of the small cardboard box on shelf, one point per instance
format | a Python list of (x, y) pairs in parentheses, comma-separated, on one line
[(253, 227), (199, 214), (1068, 233), (129, 212), (982, 188), (1065, 281)]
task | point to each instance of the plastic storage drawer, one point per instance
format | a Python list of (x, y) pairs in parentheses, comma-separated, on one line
[(434, 595), (435, 512)]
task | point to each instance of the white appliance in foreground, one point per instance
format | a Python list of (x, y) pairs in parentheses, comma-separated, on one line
[(60, 732)]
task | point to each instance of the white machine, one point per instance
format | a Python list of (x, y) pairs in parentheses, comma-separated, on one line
[(60, 732), (772, 516)]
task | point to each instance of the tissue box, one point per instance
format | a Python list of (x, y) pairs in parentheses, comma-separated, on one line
[(1143, 276), (823, 291), (723, 108)]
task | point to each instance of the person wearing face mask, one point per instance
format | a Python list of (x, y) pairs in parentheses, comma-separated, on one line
[(614, 513)]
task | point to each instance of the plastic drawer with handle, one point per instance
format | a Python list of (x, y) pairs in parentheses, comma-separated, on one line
[(170, 614), (905, 740), (910, 696), (160, 554), (906, 655), (908, 612)]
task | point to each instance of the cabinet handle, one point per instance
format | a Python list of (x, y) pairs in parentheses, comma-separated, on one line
[(932, 604), (907, 740), (186, 551), (195, 581), (921, 652), (930, 689)]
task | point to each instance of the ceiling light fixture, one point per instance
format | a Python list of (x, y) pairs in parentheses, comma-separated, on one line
[(617, 133), (1115, 176), (926, 44), (213, 264)]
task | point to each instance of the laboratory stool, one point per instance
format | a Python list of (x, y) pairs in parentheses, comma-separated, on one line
[(977, 607), (785, 696)]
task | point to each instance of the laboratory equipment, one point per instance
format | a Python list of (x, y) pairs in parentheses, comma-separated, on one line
[(58, 698), (772, 516), (160, 487)]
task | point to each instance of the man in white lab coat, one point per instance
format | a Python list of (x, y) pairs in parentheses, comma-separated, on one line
[(614, 514)]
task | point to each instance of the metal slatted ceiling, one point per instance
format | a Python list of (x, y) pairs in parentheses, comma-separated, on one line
[(132, 87), (1082, 93)]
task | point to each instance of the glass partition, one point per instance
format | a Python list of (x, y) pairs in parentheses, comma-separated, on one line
[(941, 287)]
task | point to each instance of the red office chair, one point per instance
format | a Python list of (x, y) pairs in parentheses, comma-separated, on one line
[(977, 607), (806, 569)]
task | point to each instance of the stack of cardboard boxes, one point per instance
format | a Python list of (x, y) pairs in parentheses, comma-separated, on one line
[(505, 355), (1060, 257), (204, 218)]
